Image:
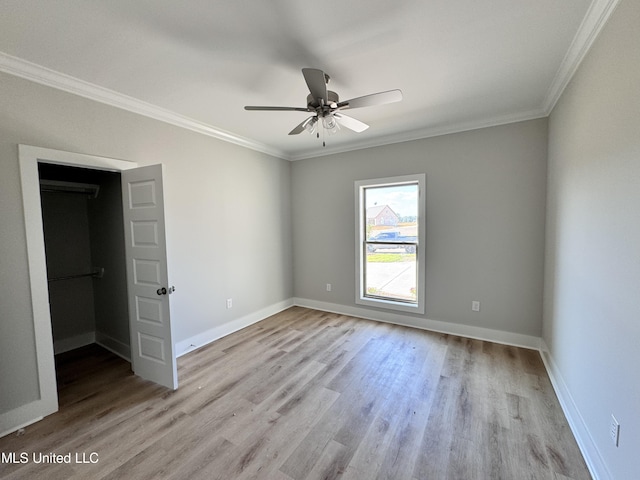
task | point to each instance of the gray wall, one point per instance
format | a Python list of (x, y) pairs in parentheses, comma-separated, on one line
[(485, 223), (227, 213), (592, 295)]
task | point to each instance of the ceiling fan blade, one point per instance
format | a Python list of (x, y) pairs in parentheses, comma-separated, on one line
[(351, 123), (301, 126), (277, 109), (381, 98), (317, 83)]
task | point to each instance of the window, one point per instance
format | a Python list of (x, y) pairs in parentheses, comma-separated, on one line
[(390, 246)]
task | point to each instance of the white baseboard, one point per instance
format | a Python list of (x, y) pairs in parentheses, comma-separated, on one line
[(480, 333), (8, 420), (593, 459), (71, 343), (25, 415), (204, 338), (114, 346), (590, 452)]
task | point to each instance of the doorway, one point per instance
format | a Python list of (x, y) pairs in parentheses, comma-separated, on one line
[(151, 344), (86, 270)]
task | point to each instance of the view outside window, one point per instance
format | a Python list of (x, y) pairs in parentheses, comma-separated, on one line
[(390, 246)]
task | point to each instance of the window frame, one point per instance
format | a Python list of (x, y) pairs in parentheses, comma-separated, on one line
[(360, 244)]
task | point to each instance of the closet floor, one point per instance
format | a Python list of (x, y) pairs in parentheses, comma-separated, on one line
[(85, 370)]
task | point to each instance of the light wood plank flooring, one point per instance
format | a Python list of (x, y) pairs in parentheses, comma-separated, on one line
[(310, 395)]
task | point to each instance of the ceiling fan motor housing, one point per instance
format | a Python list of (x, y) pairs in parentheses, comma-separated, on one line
[(332, 97)]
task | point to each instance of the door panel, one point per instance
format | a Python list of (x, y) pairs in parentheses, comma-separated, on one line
[(146, 272), (144, 233), (149, 310), (152, 355)]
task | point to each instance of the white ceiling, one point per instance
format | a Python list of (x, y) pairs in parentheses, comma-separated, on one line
[(461, 64)]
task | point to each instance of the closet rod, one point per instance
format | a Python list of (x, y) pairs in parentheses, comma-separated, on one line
[(97, 273)]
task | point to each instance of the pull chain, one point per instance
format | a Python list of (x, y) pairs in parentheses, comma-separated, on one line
[(323, 144)]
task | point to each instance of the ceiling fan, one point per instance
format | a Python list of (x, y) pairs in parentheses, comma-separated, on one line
[(327, 108)]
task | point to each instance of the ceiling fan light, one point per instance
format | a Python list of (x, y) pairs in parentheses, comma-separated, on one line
[(310, 126), (330, 123)]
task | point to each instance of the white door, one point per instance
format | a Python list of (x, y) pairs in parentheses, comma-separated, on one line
[(152, 355)]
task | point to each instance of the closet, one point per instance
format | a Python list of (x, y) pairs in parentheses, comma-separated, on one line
[(84, 246)]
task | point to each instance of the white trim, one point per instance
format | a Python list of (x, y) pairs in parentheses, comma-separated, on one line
[(28, 158), (479, 333), (106, 341), (115, 346), (71, 343), (51, 78), (10, 421), (32, 155), (201, 339), (593, 459), (428, 132), (596, 17)]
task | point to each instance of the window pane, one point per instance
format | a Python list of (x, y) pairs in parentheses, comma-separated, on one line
[(390, 246), (391, 210), (392, 274)]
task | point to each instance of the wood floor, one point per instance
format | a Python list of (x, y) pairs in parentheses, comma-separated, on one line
[(309, 395)]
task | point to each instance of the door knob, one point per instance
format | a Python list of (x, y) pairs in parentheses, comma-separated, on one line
[(161, 291)]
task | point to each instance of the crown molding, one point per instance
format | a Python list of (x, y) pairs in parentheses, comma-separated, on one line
[(51, 78), (596, 17), (423, 133), (36, 73)]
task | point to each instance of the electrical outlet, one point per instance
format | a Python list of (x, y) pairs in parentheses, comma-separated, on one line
[(229, 302), (328, 287), (614, 430), (475, 305)]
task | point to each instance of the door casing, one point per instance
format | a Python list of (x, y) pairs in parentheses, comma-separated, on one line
[(29, 156)]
